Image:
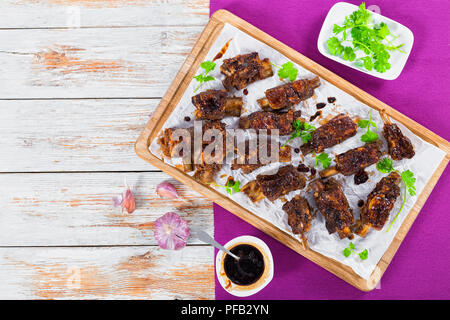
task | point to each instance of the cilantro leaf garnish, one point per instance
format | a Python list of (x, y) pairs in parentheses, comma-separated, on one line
[(287, 71), (363, 255), (302, 130), (207, 66), (385, 166), (324, 159), (232, 186), (369, 136), (374, 40)]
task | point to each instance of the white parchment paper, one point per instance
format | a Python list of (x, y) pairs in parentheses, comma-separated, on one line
[(423, 164)]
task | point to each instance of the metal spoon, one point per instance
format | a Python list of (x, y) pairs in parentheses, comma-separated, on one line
[(206, 238)]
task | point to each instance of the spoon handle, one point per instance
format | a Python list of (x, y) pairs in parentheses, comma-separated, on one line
[(203, 236)]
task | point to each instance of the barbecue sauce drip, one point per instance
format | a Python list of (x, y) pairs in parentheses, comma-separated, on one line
[(320, 105), (318, 113), (245, 92), (248, 269), (331, 99), (360, 177), (222, 51)]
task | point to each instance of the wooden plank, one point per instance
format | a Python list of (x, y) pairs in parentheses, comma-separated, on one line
[(107, 273), (72, 135), (179, 85), (92, 63), (76, 209), (94, 13)]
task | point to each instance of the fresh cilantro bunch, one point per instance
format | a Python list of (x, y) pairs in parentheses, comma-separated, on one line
[(385, 166), (324, 160), (302, 130), (351, 249), (287, 71), (371, 39), (369, 136), (204, 77)]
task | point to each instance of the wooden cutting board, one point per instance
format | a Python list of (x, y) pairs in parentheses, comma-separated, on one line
[(177, 89)]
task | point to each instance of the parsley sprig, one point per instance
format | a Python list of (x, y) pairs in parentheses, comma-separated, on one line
[(302, 130), (324, 160), (204, 77), (287, 71), (385, 166), (351, 249), (231, 186), (370, 39), (369, 136)]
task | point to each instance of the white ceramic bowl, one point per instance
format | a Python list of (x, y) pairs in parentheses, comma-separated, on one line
[(245, 291), (397, 60)]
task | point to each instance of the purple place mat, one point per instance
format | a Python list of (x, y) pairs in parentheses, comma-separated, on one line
[(419, 270)]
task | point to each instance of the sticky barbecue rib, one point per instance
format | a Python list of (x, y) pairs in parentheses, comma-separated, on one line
[(399, 146), (244, 69), (273, 186), (351, 161), (379, 204), (216, 105), (335, 131), (289, 94), (206, 169), (261, 120), (333, 205), (251, 159), (300, 216)]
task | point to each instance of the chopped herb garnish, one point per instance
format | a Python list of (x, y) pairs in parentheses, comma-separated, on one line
[(385, 166), (351, 249), (204, 77), (302, 130), (371, 39), (287, 71), (369, 136), (324, 159), (230, 186)]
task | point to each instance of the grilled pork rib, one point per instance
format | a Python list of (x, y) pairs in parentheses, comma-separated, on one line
[(261, 120), (216, 105), (399, 146), (288, 94), (332, 203), (335, 131), (251, 159), (351, 161), (299, 214), (379, 204), (242, 70), (273, 186)]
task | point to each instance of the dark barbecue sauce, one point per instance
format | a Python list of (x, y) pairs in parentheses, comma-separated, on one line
[(248, 269), (361, 176), (321, 105), (313, 117), (331, 99), (245, 92), (222, 51)]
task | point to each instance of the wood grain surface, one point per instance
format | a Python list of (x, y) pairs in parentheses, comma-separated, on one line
[(65, 153)]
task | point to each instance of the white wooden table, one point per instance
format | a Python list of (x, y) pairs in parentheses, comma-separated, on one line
[(78, 80)]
